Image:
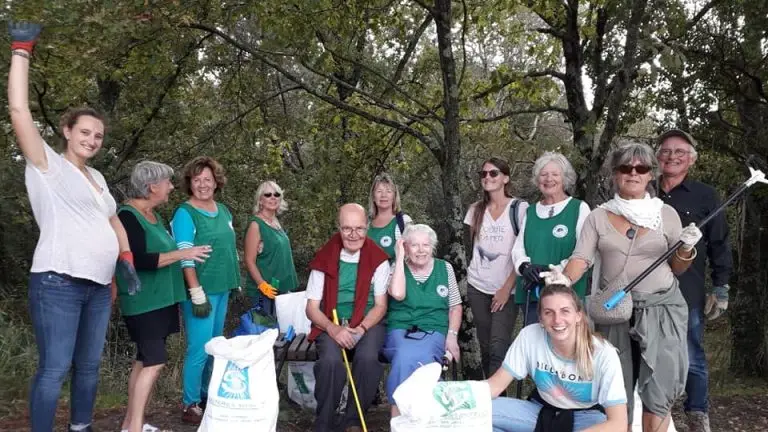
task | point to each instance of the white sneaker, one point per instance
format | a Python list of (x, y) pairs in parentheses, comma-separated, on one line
[(146, 428)]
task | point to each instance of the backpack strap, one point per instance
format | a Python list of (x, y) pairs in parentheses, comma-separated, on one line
[(400, 221), (513, 216)]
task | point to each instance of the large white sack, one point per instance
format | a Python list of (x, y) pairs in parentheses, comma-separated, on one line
[(291, 311), (242, 394), (454, 406), (301, 384)]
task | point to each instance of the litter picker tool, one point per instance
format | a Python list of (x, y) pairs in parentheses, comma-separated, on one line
[(756, 176), (530, 286), (350, 378)]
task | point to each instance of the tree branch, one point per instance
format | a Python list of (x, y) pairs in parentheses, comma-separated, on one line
[(510, 113), (430, 142), (509, 80), (409, 49)]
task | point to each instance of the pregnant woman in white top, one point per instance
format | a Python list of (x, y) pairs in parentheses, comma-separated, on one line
[(80, 240)]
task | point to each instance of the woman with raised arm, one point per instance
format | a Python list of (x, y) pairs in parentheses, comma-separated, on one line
[(201, 220), (268, 253), (153, 314), (550, 229), (629, 232), (388, 221), (577, 373), (492, 224), (81, 238)]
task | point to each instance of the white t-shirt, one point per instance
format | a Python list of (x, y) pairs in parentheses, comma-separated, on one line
[(380, 278), (492, 262), (557, 379), (76, 237)]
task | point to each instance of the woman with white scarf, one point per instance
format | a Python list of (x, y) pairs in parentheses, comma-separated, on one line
[(628, 233)]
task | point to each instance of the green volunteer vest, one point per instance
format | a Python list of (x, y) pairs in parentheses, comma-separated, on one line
[(549, 241), (345, 301), (275, 262), (220, 272), (425, 304), (385, 237), (160, 287)]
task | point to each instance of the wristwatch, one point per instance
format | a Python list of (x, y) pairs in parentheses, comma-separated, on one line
[(453, 332)]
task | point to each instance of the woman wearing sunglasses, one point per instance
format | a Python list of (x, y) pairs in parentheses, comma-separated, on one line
[(551, 227), (387, 218), (491, 273), (424, 310), (268, 253), (201, 220), (628, 233)]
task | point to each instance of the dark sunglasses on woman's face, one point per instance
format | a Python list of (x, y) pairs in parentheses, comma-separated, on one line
[(269, 194), (493, 173), (627, 169)]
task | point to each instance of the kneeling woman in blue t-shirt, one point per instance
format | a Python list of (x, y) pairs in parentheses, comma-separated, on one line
[(579, 383)]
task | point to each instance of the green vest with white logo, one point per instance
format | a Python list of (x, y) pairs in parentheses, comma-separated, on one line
[(345, 300), (221, 270), (160, 287), (425, 304), (275, 261), (385, 237), (549, 241)]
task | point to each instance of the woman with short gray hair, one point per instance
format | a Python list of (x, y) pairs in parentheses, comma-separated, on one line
[(550, 229), (424, 310), (649, 328), (152, 314)]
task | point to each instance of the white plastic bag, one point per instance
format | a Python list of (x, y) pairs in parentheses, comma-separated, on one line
[(242, 394), (291, 311), (428, 405), (301, 384)]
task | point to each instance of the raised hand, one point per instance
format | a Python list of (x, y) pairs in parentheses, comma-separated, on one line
[(23, 35)]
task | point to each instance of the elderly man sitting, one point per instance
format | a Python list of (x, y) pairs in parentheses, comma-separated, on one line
[(350, 274)]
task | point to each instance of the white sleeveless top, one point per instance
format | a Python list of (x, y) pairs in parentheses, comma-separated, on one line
[(76, 237)]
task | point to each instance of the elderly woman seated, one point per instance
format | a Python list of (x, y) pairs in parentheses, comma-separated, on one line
[(424, 309)]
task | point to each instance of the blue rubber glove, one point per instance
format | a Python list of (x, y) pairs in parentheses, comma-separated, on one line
[(23, 35)]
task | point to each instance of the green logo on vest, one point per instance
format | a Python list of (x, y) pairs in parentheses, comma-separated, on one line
[(454, 396), (442, 290), (386, 241)]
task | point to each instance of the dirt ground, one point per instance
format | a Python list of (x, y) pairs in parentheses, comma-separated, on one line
[(728, 414)]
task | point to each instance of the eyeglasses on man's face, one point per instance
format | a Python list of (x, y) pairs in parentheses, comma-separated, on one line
[(678, 152), (346, 230)]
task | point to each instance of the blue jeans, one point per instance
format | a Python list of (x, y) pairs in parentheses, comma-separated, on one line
[(70, 317), (408, 354), (267, 305), (197, 364), (697, 385), (516, 415)]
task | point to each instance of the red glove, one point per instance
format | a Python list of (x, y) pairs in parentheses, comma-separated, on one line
[(126, 256)]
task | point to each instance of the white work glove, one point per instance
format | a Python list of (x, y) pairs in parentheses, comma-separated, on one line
[(690, 236), (555, 276)]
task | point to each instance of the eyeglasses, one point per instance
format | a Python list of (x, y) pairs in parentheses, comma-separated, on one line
[(415, 333), (627, 169), (677, 152), (493, 173), (270, 194), (357, 230)]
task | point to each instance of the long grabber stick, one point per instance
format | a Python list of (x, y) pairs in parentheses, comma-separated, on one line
[(351, 380), (756, 176)]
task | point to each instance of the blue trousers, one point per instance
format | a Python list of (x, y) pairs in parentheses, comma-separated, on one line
[(70, 317), (516, 415), (408, 354), (697, 385), (197, 365)]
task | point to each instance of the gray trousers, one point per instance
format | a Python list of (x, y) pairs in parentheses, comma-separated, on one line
[(494, 330), (330, 376)]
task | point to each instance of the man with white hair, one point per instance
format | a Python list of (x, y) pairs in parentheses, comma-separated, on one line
[(693, 201), (350, 274)]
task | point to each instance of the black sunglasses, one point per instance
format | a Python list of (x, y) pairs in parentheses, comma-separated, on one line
[(269, 194), (627, 169), (493, 173)]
